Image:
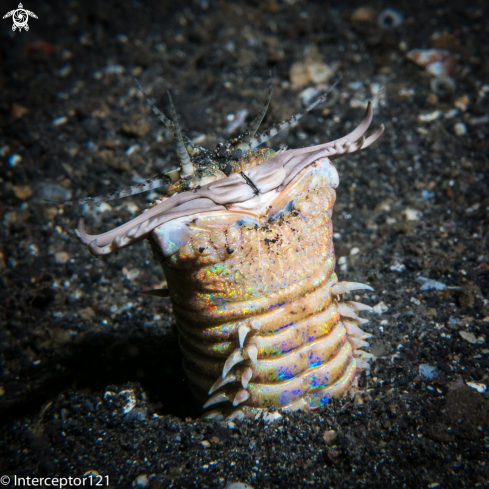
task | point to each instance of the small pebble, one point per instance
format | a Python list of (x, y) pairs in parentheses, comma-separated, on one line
[(132, 149), (450, 114), (61, 257), (91, 473), (329, 436), (426, 195), (131, 274), (427, 371), (53, 191), (462, 103), (299, 74), (102, 207), (380, 308), (14, 159), (22, 192), (355, 85), (114, 70), (205, 444), (271, 417), (460, 129), (430, 117), (363, 14), (481, 388), (475, 121), (136, 129), (65, 71), (431, 284), (471, 338), (18, 111), (60, 121), (130, 397), (141, 481), (398, 267), (412, 214)]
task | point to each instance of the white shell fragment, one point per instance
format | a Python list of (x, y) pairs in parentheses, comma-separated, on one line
[(271, 417), (431, 284), (380, 308), (460, 129), (427, 371), (471, 338), (481, 388)]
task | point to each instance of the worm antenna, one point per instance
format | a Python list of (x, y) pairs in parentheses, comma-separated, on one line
[(274, 130), (191, 148), (255, 123), (187, 167), (162, 117), (149, 184)]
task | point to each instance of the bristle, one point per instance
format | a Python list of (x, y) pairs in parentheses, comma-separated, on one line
[(217, 398), (233, 359), (345, 287)]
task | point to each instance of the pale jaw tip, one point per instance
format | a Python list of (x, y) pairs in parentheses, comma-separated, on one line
[(357, 343), (214, 414), (243, 331), (220, 382), (215, 399), (363, 355), (241, 396), (252, 352), (255, 324), (345, 287), (357, 306), (345, 311), (233, 359), (236, 414)]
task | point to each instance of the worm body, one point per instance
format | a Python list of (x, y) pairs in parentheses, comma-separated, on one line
[(246, 244)]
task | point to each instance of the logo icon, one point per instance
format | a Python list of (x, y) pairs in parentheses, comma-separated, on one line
[(20, 17)]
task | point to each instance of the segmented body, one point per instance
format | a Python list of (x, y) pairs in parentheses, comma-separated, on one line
[(249, 260), (259, 324)]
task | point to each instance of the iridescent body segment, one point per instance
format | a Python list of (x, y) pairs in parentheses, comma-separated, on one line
[(268, 279), (246, 245)]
